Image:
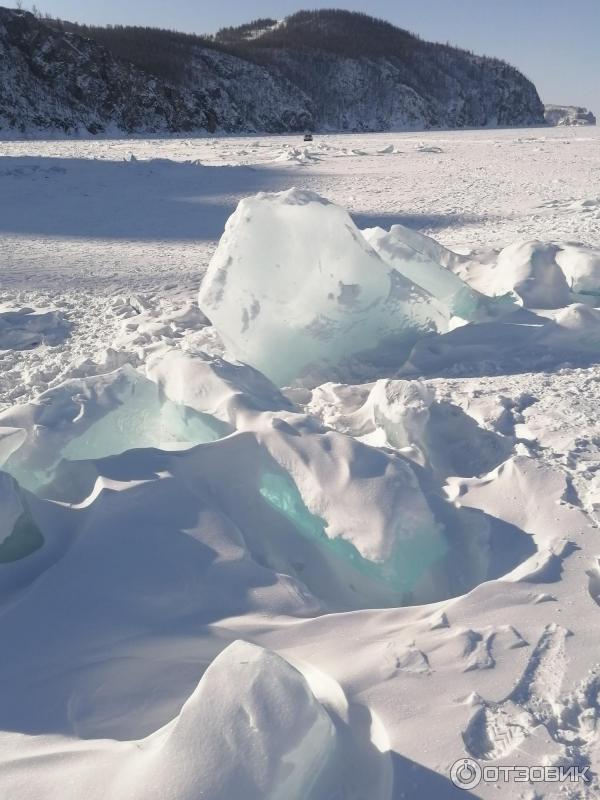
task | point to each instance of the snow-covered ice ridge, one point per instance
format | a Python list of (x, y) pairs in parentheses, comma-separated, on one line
[(229, 573)]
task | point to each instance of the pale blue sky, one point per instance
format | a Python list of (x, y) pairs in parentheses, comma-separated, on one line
[(554, 42)]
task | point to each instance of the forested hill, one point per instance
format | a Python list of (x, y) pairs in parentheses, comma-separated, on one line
[(323, 70)]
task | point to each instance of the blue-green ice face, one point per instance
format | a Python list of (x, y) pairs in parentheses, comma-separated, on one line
[(412, 557), (24, 540), (138, 421), (136, 425)]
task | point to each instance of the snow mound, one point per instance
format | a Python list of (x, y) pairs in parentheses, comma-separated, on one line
[(354, 515), (24, 328), (354, 524), (317, 297), (529, 269), (423, 148), (540, 274), (580, 318), (581, 267), (388, 150), (298, 155), (519, 342), (252, 730), (405, 415), (209, 385), (423, 261)]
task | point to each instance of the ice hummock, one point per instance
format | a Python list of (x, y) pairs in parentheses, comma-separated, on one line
[(22, 328), (421, 260), (96, 417), (530, 270), (295, 288), (355, 524), (581, 266)]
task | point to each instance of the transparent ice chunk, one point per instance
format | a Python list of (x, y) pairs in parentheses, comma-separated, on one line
[(294, 287)]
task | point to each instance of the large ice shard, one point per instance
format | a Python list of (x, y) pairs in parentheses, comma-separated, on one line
[(295, 289), (424, 262)]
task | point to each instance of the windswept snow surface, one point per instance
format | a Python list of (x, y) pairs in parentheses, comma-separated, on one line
[(330, 529)]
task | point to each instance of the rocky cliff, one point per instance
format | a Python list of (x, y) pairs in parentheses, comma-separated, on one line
[(568, 115), (323, 70)]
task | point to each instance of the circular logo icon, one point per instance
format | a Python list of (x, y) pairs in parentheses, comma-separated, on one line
[(465, 773)]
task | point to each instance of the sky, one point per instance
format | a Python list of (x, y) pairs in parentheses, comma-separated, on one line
[(554, 42)]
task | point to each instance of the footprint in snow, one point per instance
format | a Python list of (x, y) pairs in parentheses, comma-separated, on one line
[(496, 729), (404, 658)]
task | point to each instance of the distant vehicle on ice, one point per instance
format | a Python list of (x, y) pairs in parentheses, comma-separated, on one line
[(308, 137)]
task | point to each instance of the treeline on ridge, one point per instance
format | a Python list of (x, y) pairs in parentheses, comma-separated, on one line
[(168, 54)]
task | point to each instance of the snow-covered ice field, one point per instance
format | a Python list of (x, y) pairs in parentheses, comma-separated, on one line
[(82, 226), (407, 544)]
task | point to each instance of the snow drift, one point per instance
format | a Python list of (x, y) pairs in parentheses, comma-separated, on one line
[(530, 270), (251, 730), (355, 525), (538, 274), (23, 328)]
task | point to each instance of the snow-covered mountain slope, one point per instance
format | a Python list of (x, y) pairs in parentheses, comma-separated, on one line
[(568, 115), (319, 70), (63, 82)]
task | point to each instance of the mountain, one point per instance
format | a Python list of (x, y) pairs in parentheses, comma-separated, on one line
[(57, 80), (323, 70), (568, 115)]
